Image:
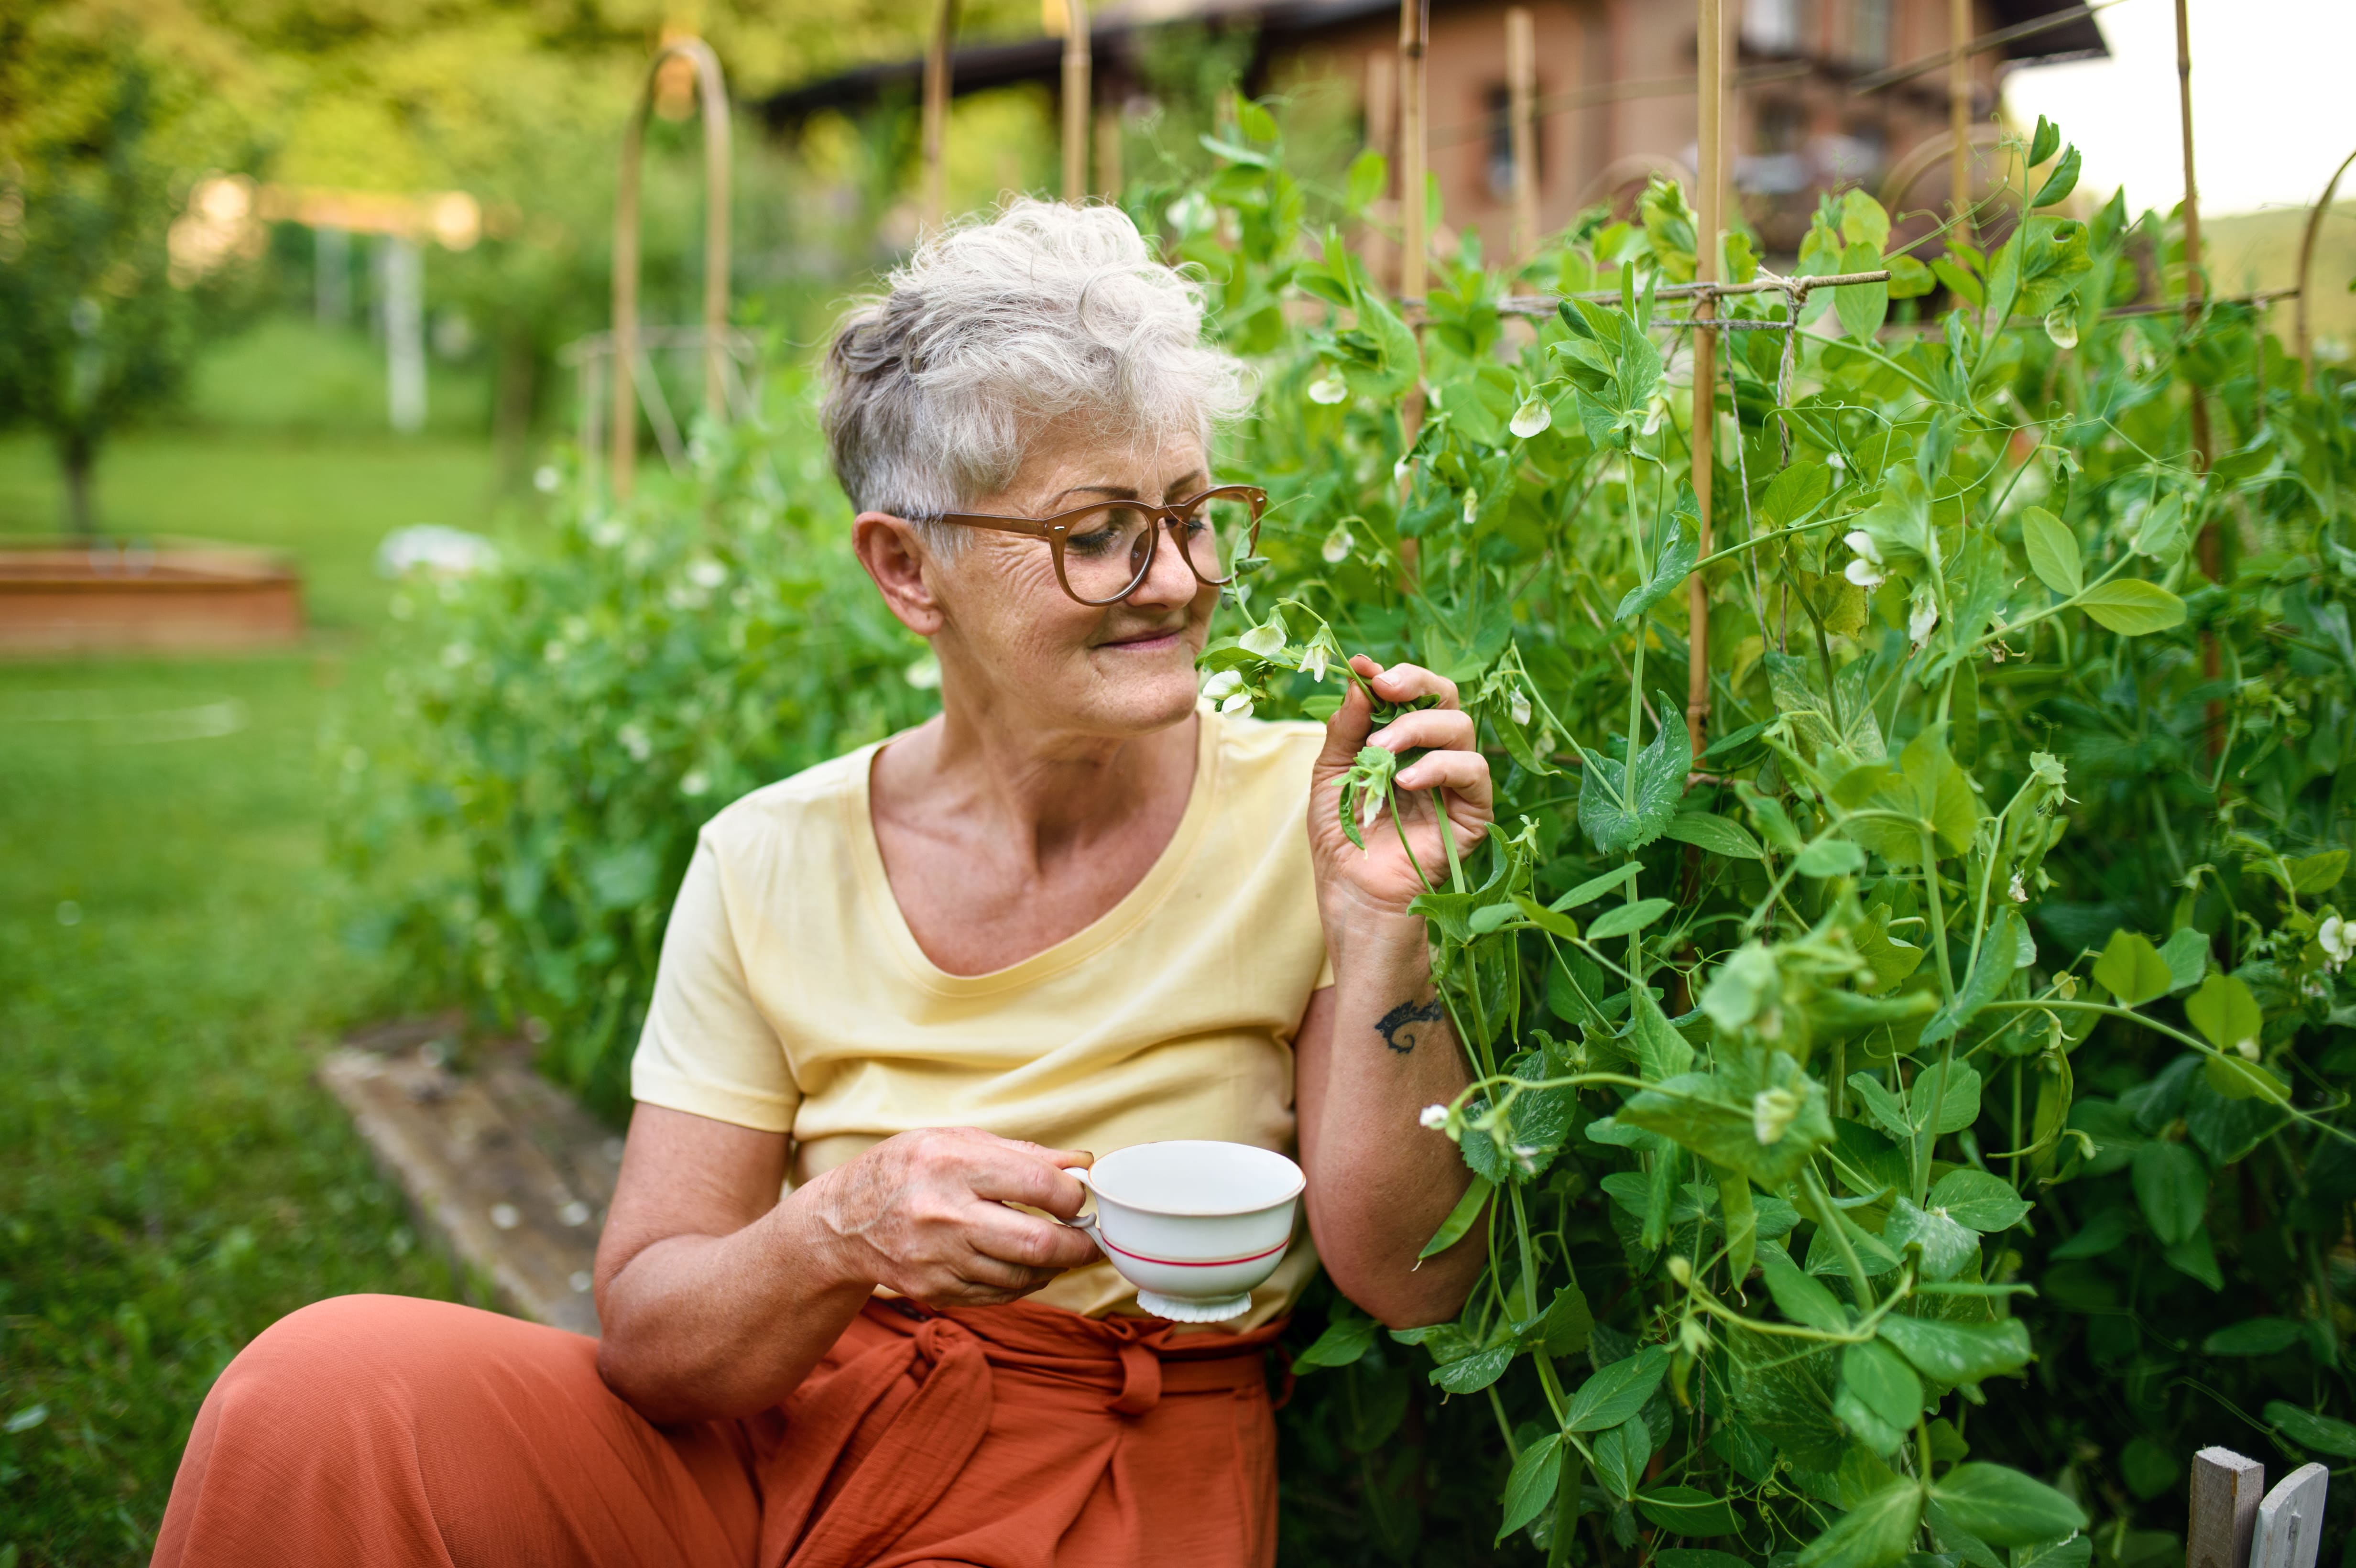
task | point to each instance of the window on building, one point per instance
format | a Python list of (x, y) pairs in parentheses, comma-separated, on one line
[(1499, 99), (1771, 26), (1868, 33)]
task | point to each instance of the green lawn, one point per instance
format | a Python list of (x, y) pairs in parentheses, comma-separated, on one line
[(171, 1180)]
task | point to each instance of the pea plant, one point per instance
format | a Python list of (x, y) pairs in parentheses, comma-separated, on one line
[(1951, 1016)]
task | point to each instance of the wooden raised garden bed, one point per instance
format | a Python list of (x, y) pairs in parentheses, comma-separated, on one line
[(59, 597)]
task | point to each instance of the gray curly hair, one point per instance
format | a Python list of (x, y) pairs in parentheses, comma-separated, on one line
[(998, 326)]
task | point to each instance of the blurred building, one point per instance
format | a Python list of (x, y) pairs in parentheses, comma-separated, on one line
[(1822, 94)]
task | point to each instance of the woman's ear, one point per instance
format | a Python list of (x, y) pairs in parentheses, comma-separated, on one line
[(895, 557)]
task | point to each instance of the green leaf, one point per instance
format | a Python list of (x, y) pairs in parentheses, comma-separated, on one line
[(2173, 1186), (2069, 1552), (1801, 1298), (1622, 919), (1345, 1341), (1675, 562), (1991, 972), (1986, 1203), (1460, 1218), (1879, 1397), (1662, 1052), (2319, 873), (2253, 1337), (1531, 1486), (2132, 970), (1620, 1456), (1568, 1322), (2313, 1431), (1948, 1352), (2045, 142), (2059, 182), (1645, 804), (1862, 306), (2187, 953), (1369, 176), (1595, 888), (2195, 1257), (1946, 1246), (1617, 1391), (2225, 1010), (1715, 835), (1878, 1531), (1475, 1371), (1688, 1511), (1724, 1124), (2132, 607), (2004, 1507), (2052, 552), (1830, 858)]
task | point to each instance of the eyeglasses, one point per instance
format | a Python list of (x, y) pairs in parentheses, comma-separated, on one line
[(1104, 551)]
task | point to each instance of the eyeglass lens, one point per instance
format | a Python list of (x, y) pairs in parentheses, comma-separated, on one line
[(1106, 553)]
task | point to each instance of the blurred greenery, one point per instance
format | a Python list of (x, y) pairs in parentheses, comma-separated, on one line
[(171, 956)]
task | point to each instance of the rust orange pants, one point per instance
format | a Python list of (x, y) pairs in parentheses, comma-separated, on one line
[(377, 1429)]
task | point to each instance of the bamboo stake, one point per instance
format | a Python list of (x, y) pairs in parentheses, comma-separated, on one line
[(712, 93), (1710, 100), (1382, 126), (1108, 162), (937, 113), (2195, 291), (1959, 108), (1522, 93), (1076, 66), (2306, 265), (1415, 39)]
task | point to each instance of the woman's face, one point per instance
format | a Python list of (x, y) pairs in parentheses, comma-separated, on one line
[(1009, 635)]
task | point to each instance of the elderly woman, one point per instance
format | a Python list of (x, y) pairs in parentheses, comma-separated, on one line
[(912, 989)]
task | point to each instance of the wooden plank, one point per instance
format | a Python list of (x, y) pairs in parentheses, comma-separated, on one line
[(2290, 1520), (516, 1183), (2225, 1490)]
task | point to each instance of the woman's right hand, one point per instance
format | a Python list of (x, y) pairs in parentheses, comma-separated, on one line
[(924, 1214)]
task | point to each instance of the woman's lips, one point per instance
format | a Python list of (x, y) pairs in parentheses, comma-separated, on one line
[(1147, 641)]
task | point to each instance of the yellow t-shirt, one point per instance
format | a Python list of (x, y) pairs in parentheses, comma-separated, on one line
[(792, 997)]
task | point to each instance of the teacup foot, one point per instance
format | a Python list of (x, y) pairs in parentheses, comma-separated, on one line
[(1194, 1309)]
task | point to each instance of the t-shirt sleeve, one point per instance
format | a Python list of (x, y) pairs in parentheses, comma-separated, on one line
[(706, 1049)]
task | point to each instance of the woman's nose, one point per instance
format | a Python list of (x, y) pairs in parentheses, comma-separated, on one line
[(1169, 579)]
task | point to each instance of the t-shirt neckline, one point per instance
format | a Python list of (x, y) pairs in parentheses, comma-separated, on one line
[(1123, 918)]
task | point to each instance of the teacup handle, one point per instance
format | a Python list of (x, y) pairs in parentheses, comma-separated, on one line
[(1083, 1222)]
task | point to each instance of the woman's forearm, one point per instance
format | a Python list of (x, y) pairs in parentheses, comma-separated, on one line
[(1381, 1184), (701, 1326)]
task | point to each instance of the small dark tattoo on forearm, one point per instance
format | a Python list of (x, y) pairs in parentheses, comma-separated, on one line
[(1402, 1027)]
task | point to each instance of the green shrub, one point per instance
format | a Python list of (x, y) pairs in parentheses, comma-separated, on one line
[(575, 716)]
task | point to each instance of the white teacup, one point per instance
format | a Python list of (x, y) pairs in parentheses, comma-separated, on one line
[(1194, 1224)]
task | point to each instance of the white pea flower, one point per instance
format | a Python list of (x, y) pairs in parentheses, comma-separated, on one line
[(633, 737), (1863, 572), (1773, 1111), (1471, 505), (695, 783), (1313, 661), (1517, 709), (1336, 547), (1921, 616), (1836, 462), (1862, 542), (1326, 389), (1238, 706), (1531, 418), (705, 572), (2248, 1047), (1401, 469), (1266, 640), (1434, 1117), (924, 674), (1223, 685), (545, 479), (2018, 890), (2338, 940)]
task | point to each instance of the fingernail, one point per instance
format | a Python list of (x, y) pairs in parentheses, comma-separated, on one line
[(1381, 737)]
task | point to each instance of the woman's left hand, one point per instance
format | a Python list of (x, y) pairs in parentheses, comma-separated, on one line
[(1380, 880)]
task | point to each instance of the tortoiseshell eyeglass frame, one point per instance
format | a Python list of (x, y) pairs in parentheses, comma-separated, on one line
[(1056, 529)]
